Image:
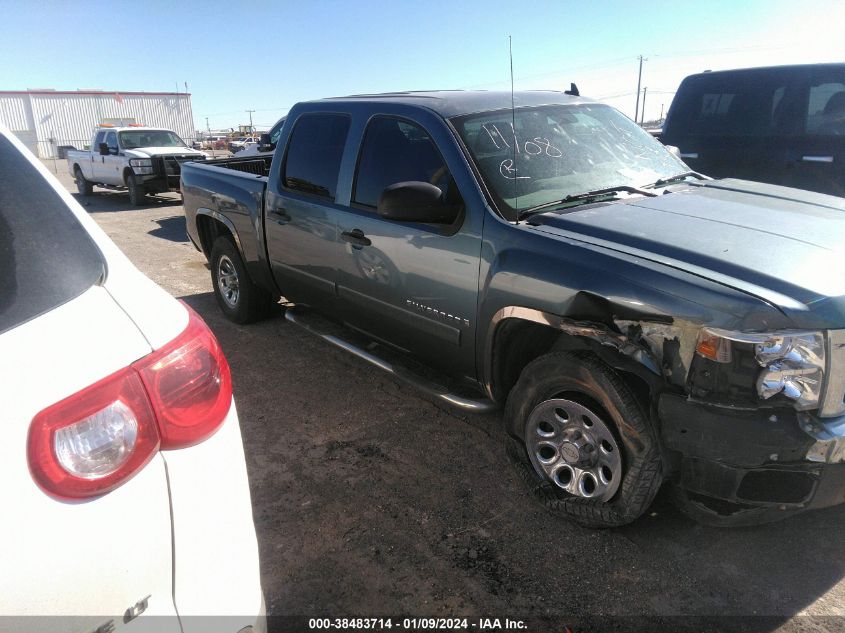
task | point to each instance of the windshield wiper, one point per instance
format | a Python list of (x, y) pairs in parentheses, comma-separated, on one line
[(587, 196), (678, 177)]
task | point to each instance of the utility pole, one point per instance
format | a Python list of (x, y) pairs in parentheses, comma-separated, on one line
[(661, 111), (639, 80), (642, 117), (251, 129)]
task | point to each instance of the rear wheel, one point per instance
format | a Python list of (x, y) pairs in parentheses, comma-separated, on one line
[(241, 300), (136, 190), (84, 186), (581, 441)]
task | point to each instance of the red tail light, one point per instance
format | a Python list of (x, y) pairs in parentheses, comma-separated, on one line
[(95, 440)]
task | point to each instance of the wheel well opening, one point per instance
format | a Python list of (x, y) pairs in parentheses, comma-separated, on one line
[(126, 173), (209, 230), (517, 343)]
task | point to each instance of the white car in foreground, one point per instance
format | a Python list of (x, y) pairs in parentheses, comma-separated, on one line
[(125, 492)]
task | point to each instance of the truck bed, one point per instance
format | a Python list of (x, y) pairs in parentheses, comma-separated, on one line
[(256, 165)]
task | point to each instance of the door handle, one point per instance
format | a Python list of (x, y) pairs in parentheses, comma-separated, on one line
[(279, 215), (356, 237), (817, 159)]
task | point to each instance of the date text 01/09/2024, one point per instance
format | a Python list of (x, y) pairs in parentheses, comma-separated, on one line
[(430, 624)]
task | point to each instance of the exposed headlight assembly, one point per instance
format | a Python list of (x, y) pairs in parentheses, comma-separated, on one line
[(791, 363), (141, 166)]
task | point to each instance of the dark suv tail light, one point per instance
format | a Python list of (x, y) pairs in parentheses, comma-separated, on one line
[(95, 440)]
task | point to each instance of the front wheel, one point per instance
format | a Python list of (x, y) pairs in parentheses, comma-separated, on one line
[(136, 190), (240, 299), (581, 441)]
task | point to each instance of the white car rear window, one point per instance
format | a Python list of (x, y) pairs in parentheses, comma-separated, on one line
[(46, 257)]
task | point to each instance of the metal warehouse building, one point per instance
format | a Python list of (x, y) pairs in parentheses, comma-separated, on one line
[(48, 119)]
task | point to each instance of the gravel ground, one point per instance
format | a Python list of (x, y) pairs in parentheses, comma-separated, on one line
[(370, 500)]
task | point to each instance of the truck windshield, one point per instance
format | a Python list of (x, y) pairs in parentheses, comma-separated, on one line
[(150, 138), (536, 155)]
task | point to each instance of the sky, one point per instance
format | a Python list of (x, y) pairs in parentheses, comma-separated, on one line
[(266, 55)]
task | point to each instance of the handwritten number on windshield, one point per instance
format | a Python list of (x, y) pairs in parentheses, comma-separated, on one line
[(535, 147)]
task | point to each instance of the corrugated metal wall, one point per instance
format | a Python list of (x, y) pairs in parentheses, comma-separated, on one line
[(49, 120)]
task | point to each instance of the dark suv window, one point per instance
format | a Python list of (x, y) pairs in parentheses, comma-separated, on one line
[(733, 105), (47, 258), (314, 152), (826, 108), (395, 150)]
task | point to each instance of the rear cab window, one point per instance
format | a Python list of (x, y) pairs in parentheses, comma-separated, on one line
[(47, 256), (314, 152)]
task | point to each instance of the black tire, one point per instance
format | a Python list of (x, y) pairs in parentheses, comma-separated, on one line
[(136, 191), (84, 186), (582, 378), (248, 302)]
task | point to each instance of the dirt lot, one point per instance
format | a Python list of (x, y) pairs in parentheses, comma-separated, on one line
[(369, 500)]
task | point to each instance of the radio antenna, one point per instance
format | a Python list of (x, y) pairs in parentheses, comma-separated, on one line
[(513, 131)]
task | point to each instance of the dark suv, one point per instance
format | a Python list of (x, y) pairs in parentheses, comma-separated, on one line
[(783, 125)]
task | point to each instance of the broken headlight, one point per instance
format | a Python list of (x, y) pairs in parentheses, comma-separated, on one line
[(789, 364)]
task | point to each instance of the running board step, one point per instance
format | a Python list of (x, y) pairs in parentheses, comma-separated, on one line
[(470, 405)]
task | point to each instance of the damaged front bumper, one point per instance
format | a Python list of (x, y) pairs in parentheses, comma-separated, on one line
[(773, 462)]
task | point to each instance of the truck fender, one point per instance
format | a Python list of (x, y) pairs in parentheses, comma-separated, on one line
[(222, 219), (638, 347)]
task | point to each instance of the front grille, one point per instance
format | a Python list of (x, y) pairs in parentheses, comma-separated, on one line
[(171, 167), (833, 398)]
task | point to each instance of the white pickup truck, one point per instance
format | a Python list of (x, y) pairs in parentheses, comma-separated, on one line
[(141, 159)]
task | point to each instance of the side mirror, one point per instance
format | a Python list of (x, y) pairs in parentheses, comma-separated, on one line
[(265, 144), (673, 150), (104, 149), (415, 201)]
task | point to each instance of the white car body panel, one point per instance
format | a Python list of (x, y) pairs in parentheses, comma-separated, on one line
[(204, 494), (96, 557), (180, 531)]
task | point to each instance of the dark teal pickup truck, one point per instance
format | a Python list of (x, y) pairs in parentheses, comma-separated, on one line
[(639, 322)]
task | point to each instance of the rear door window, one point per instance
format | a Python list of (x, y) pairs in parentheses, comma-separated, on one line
[(312, 162), (46, 256)]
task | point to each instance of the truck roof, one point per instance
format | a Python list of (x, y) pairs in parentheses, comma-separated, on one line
[(449, 103), (800, 69)]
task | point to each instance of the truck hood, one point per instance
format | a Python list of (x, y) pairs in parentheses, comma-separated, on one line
[(786, 246), (147, 152)]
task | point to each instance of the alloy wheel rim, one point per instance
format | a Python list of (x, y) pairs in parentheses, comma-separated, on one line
[(227, 281)]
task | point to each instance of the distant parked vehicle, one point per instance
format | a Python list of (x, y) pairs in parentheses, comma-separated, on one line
[(266, 142), (141, 159), (242, 143), (783, 125)]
